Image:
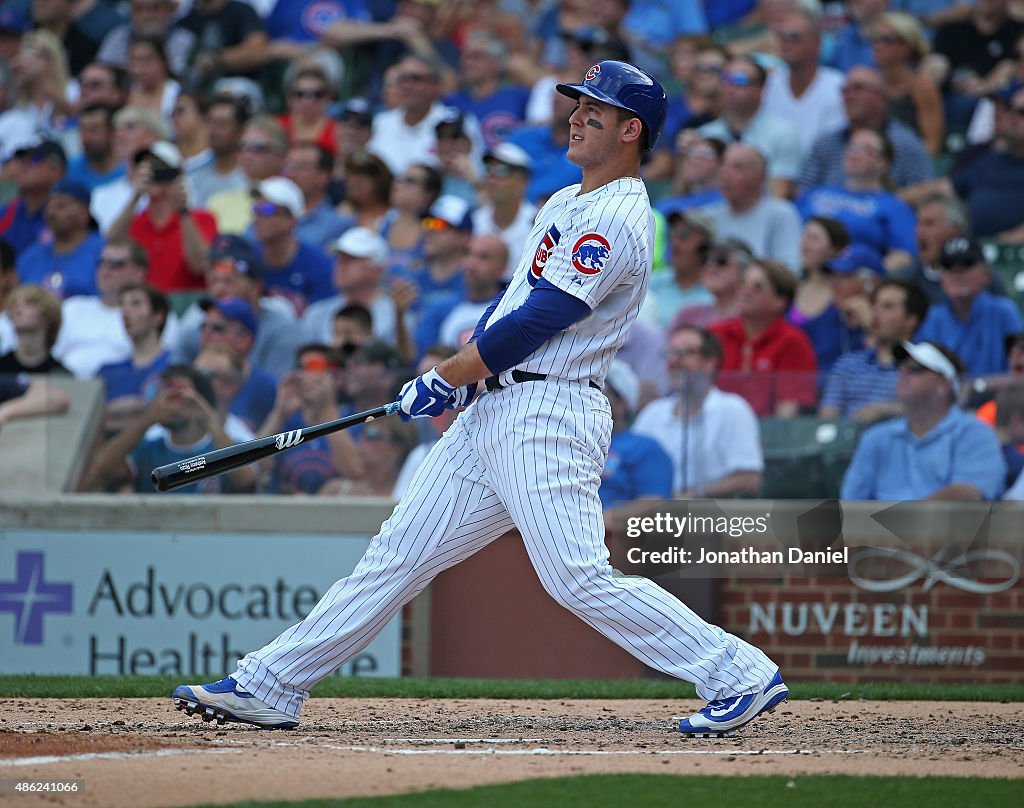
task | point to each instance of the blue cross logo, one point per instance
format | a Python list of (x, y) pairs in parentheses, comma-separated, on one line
[(29, 596)]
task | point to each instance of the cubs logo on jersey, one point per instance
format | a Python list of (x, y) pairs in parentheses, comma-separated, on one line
[(590, 253), (540, 258)]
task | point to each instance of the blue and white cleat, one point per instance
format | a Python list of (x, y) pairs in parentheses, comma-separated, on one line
[(225, 701), (724, 716)]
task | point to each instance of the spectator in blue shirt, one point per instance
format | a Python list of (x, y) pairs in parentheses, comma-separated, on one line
[(498, 106), (294, 270), (935, 450), (186, 406), (970, 320), (853, 40), (97, 164), (871, 213), (65, 265), (35, 170), (862, 384), (309, 166), (637, 466)]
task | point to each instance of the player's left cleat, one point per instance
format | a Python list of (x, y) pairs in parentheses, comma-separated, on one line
[(225, 701), (724, 716)]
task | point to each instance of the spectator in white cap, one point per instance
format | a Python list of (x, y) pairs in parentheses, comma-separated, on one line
[(935, 450), (176, 236), (296, 271), (507, 213), (637, 467), (360, 257), (712, 436)]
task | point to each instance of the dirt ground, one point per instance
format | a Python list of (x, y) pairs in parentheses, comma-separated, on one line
[(141, 752)]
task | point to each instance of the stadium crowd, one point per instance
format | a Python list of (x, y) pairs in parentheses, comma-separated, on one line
[(248, 216)]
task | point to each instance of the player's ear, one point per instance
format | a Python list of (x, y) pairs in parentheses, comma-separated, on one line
[(634, 130)]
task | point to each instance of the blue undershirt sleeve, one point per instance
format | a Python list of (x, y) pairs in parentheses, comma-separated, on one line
[(547, 311)]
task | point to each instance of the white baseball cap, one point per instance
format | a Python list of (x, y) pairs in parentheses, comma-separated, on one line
[(454, 210), (282, 191), (928, 356), (361, 242), (624, 382), (510, 154), (164, 151)]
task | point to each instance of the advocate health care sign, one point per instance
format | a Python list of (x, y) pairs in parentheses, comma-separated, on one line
[(124, 603)]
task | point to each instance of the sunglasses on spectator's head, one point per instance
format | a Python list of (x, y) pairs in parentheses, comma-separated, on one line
[(959, 265)]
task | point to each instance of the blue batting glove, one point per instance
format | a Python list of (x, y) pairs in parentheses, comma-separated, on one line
[(426, 396)]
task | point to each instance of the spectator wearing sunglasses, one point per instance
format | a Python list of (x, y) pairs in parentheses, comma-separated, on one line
[(236, 271), (745, 119), (507, 214), (407, 134), (92, 333), (806, 91), (296, 271), (35, 169), (306, 120), (867, 107), (233, 322), (970, 320), (934, 450)]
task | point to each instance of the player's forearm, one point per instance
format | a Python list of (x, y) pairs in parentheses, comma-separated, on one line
[(466, 367)]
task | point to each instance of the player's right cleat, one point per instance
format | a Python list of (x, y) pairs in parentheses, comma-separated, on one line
[(225, 701), (723, 716)]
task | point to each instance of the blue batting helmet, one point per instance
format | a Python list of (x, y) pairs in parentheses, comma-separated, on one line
[(627, 87)]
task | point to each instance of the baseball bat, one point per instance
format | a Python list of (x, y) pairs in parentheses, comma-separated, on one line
[(220, 461)]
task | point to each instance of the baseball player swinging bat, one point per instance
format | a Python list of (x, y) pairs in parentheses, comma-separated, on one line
[(221, 461)]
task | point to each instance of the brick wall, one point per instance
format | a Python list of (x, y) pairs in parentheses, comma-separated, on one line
[(828, 628)]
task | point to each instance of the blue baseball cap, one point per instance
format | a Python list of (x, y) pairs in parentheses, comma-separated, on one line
[(13, 21), (235, 309), (856, 257), (76, 190)]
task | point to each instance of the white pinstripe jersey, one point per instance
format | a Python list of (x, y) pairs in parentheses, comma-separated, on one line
[(598, 247)]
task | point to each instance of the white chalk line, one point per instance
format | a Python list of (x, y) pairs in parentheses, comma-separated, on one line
[(43, 760), (544, 751)]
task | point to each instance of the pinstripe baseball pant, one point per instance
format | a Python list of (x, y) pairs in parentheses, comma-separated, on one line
[(530, 457)]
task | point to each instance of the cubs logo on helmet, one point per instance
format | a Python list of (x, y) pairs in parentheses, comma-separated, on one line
[(592, 73), (540, 257), (590, 253)]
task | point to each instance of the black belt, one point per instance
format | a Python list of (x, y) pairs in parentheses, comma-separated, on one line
[(520, 376)]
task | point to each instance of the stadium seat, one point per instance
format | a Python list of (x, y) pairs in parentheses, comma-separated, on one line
[(1007, 260), (180, 301), (805, 457)]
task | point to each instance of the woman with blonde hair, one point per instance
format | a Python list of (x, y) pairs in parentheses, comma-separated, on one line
[(40, 89), (899, 45)]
